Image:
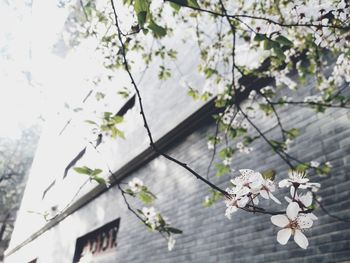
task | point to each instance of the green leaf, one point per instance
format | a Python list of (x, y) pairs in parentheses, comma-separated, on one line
[(174, 230), (91, 122), (175, 6), (120, 134), (269, 174), (266, 108), (284, 41), (325, 169), (141, 18), (302, 167), (96, 172), (117, 119), (260, 37), (146, 197), (98, 179), (221, 169), (279, 52), (209, 72), (213, 198), (129, 192), (268, 44), (139, 211), (107, 115), (293, 133), (158, 31), (191, 3), (83, 170), (141, 8)]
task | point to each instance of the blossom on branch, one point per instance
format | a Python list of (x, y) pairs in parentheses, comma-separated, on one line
[(136, 185), (292, 223), (238, 198), (298, 179)]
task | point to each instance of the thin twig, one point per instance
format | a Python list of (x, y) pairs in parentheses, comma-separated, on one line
[(328, 213), (267, 140), (271, 21), (142, 113)]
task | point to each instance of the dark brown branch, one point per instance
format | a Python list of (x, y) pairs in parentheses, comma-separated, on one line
[(276, 114), (129, 206), (152, 144), (308, 104), (328, 213), (271, 21), (267, 140)]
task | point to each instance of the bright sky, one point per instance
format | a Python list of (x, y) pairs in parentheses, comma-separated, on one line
[(18, 98), (33, 80)]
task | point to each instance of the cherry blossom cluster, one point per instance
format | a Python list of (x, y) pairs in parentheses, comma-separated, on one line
[(156, 222), (150, 216), (249, 185), (246, 190)]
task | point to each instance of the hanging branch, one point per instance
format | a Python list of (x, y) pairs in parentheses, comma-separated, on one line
[(152, 144), (271, 21), (328, 213), (311, 103), (129, 206), (276, 114), (266, 140)]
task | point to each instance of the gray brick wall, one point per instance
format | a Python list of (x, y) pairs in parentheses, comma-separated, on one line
[(210, 237)]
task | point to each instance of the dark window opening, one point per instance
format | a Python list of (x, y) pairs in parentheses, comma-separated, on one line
[(97, 243)]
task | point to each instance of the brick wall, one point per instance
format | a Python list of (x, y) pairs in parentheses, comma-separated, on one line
[(210, 237)]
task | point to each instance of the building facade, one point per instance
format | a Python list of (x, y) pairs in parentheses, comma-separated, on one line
[(64, 217)]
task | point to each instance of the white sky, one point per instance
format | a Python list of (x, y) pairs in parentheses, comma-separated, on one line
[(33, 81), (17, 96)]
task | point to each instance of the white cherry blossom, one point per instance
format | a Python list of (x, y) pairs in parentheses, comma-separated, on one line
[(171, 242), (249, 178), (292, 223), (266, 191), (136, 185), (227, 161), (151, 217), (298, 179), (305, 200), (210, 145), (238, 198)]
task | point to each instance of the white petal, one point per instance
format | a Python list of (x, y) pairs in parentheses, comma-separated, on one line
[(304, 221), (284, 235), (229, 211), (292, 192), (243, 201), (306, 199), (293, 210), (300, 239), (245, 190), (280, 220), (312, 216), (246, 172), (264, 194), (256, 201), (288, 199), (274, 198), (256, 178), (284, 183)]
